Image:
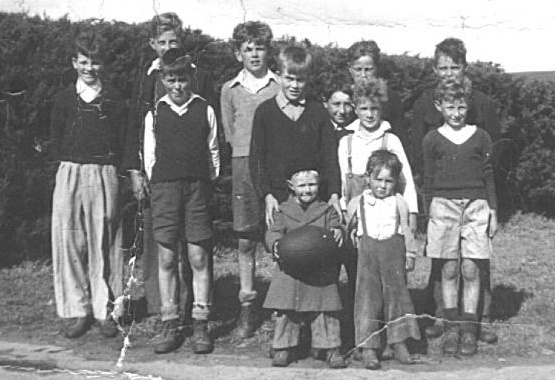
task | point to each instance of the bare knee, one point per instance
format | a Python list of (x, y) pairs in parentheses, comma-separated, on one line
[(198, 256), (167, 258), (470, 271), (450, 270)]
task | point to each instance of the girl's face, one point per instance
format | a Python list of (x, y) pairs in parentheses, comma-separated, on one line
[(369, 112), (382, 183), (363, 68)]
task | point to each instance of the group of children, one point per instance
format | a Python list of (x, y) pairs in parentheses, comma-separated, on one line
[(295, 162)]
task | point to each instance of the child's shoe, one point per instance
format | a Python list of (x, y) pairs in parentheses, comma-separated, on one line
[(487, 335), (335, 359), (281, 358), (468, 345), (172, 338), (247, 321), (108, 327), (79, 327), (388, 353), (202, 344), (451, 335), (403, 355), (370, 359), (435, 330)]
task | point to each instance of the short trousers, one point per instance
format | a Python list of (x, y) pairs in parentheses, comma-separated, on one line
[(458, 225), (245, 202), (179, 204)]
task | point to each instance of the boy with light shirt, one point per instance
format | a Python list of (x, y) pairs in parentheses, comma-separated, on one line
[(460, 195), (181, 158), (289, 127), (240, 97), (450, 63), (87, 139)]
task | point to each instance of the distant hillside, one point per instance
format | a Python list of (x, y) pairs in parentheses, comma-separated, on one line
[(536, 75)]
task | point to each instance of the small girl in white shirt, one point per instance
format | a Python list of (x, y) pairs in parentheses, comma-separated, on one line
[(386, 251)]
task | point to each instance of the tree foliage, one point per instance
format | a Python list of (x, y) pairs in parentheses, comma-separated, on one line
[(35, 55)]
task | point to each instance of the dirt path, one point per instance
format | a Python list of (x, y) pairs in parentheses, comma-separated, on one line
[(30, 361)]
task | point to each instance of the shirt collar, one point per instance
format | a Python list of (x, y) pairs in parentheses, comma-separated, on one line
[(180, 110), (240, 78), (87, 92), (283, 102), (371, 200), (369, 136)]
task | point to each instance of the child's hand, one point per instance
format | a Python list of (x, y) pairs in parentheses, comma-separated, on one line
[(334, 201), (271, 205), (338, 236), (354, 238), (139, 184), (410, 264), (493, 224), (275, 254)]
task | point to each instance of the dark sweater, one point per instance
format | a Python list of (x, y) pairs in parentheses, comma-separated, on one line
[(88, 133), (278, 142), (458, 171), (181, 143), (147, 91), (482, 112)]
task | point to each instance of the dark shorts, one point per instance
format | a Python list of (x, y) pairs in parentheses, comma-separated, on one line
[(181, 204), (245, 201)]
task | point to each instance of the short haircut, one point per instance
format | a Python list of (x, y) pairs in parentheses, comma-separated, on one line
[(452, 48), (295, 59), (91, 45), (450, 90), (176, 61), (337, 83), (305, 171), (374, 90), (301, 164), (384, 159), (252, 31), (364, 48), (165, 22)]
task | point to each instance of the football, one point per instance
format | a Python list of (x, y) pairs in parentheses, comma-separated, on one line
[(307, 249)]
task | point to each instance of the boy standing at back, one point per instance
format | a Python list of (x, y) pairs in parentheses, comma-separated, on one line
[(181, 157), (240, 97), (460, 192), (450, 63)]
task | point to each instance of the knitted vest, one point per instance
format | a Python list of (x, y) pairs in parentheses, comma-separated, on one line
[(181, 143)]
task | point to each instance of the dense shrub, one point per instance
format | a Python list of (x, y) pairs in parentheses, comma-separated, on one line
[(35, 55)]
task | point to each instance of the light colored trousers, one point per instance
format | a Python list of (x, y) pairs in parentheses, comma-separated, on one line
[(86, 239)]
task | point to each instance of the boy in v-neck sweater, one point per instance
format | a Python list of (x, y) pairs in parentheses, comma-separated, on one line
[(460, 195), (290, 128)]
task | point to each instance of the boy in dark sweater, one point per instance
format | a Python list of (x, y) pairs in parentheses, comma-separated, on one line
[(450, 63), (460, 195), (289, 128), (181, 157), (87, 130)]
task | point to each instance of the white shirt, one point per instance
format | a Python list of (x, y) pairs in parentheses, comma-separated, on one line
[(380, 217), (86, 92), (459, 136), (251, 83), (363, 144), (150, 139)]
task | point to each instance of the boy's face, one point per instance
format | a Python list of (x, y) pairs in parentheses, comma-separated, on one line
[(363, 68), (382, 183), (369, 112), (446, 68), (254, 58), (340, 108), (165, 41), (293, 85), (88, 69), (453, 112), (177, 87), (305, 186)]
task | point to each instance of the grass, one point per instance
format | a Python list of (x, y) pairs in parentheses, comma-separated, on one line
[(523, 302)]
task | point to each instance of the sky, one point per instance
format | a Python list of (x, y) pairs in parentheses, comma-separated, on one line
[(516, 34)]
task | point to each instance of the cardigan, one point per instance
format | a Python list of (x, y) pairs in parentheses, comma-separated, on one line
[(277, 142), (88, 133)]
